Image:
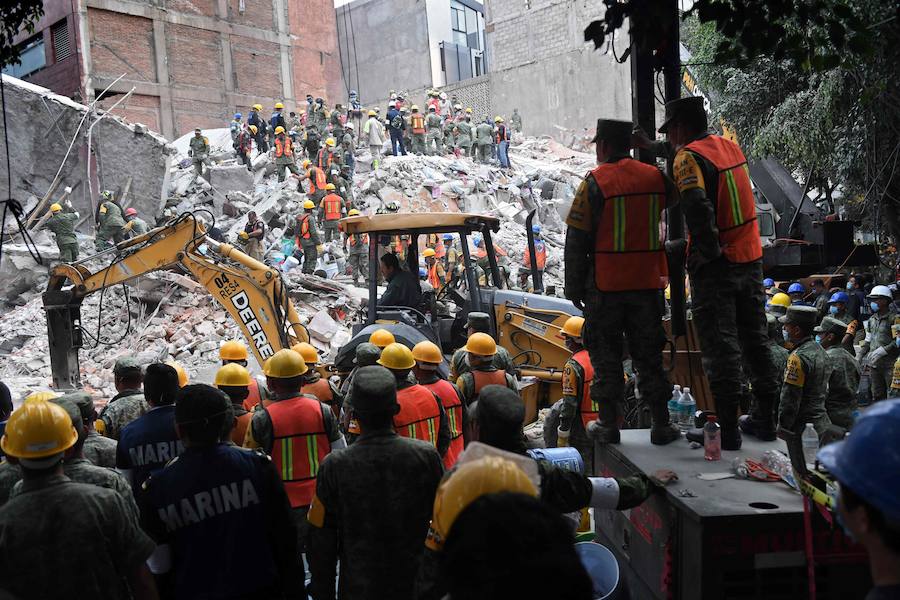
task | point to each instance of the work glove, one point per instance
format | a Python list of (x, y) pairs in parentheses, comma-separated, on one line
[(244, 235), (562, 438), (127, 226), (875, 355), (320, 248)]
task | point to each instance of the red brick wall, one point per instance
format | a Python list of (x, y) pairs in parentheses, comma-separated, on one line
[(258, 67), (137, 109), (191, 113), (192, 7), (316, 63), (195, 57), (258, 13), (121, 44)]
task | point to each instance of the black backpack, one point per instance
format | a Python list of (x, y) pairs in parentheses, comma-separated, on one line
[(397, 122)]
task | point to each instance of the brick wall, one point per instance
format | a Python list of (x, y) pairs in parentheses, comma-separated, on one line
[(137, 109), (194, 113), (121, 44), (189, 47), (192, 7), (258, 13), (258, 67)]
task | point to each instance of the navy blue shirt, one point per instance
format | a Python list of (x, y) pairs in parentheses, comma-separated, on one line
[(221, 508), (147, 444), (390, 118)]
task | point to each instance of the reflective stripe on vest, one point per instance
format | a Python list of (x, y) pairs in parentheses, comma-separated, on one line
[(323, 153), (418, 123), (588, 407), (353, 239), (332, 205), (304, 227), (282, 146), (316, 180), (483, 378), (735, 205), (419, 416), (446, 393), (299, 445), (628, 254)]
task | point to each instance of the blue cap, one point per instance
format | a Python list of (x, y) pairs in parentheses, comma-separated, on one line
[(535, 228), (768, 282), (477, 242), (796, 288), (238, 116), (867, 461), (448, 236), (423, 272), (839, 297)]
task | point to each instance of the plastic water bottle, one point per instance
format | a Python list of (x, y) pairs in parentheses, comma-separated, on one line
[(712, 440), (810, 441), (686, 408), (673, 403)]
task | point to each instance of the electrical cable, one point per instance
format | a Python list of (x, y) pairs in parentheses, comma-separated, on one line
[(353, 37)]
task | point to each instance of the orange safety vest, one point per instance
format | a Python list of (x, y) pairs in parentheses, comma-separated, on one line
[(735, 206), (588, 408), (418, 123), (304, 226), (354, 238), (283, 146), (239, 433), (253, 397), (419, 417), (628, 254), (433, 278), (321, 390), (316, 180), (327, 156), (446, 393), (300, 444), (483, 378), (541, 250), (332, 204)]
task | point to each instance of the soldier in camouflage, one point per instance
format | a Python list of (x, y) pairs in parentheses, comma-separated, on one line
[(778, 351), (459, 363), (128, 404), (62, 223), (843, 382), (878, 350), (98, 449), (111, 223)]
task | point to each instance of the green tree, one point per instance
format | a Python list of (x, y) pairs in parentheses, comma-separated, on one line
[(15, 16)]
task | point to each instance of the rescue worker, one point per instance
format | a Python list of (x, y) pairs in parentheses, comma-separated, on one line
[(450, 135), (150, 441), (134, 224), (332, 211), (317, 182), (797, 293), (450, 256), (540, 251), (110, 222), (62, 224), (434, 136), (357, 247), (483, 138), (479, 322), (235, 351), (878, 350), (434, 268), (615, 268), (516, 121), (579, 409), (464, 134), (308, 237), (480, 349), (843, 380), (254, 119), (326, 158), (296, 431), (373, 502), (778, 304), (417, 129), (366, 355), (214, 496), (373, 132), (313, 383), (318, 116), (502, 140), (103, 551), (396, 127), (402, 287), (277, 119), (234, 380), (236, 127), (128, 404), (428, 358), (284, 154), (336, 119), (421, 414), (199, 150), (243, 146), (311, 141), (98, 449), (725, 266), (343, 185), (253, 235), (867, 507)]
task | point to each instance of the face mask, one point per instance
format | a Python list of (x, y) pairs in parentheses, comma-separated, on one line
[(897, 342), (819, 339), (874, 306), (850, 285), (785, 335), (833, 309)]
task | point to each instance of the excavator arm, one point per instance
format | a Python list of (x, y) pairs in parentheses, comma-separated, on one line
[(253, 293)]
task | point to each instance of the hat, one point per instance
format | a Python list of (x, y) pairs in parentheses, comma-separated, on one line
[(684, 109), (83, 401), (800, 315), (367, 354), (618, 132), (831, 325), (126, 363), (73, 411), (374, 389), (479, 321)]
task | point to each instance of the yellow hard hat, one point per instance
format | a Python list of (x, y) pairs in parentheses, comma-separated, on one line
[(38, 429), (257, 107), (498, 119), (308, 204), (182, 374), (481, 344), (41, 395), (468, 111), (231, 375), (428, 252), (253, 129), (55, 207), (415, 107), (427, 352), (781, 299), (279, 105), (233, 350), (329, 142), (285, 364), (397, 356), (279, 129), (470, 481), (573, 327), (353, 212), (371, 113), (308, 352), (330, 187), (381, 338)]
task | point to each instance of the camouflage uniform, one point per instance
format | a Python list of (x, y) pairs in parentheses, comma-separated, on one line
[(111, 224), (466, 384), (199, 147), (100, 449), (879, 335), (804, 390), (842, 386), (464, 137), (124, 408), (570, 412), (137, 226), (62, 224), (9, 475), (102, 542), (308, 246), (484, 134), (358, 257), (434, 135)]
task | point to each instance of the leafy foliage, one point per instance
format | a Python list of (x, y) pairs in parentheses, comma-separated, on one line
[(16, 15)]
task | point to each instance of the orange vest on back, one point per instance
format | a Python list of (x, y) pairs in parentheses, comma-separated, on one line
[(735, 206), (304, 226), (321, 390), (324, 160), (628, 254), (239, 433), (316, 180), (433, 277), (483, 378), (588, 408), (417, 120), (332, 205), (436, 243), (446, 393), (253, 397), (541, 250), (419, 417), (299, 445), (283, 146), (354, 238)]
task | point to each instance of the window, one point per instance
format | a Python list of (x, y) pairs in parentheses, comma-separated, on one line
[(458, 25), (31, 59), (479, 70), (62, 47)]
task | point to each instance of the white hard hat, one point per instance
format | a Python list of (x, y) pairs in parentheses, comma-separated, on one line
[(880, 290), (443, 95), (348, 126), (392, 104)]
